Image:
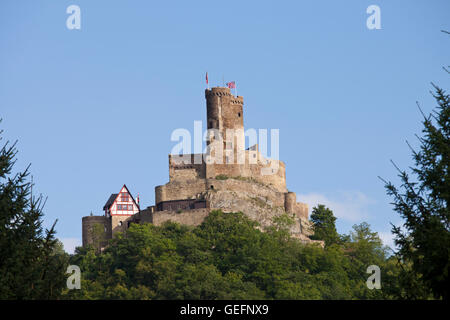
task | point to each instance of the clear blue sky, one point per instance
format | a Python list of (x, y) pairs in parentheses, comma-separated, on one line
[(94, 108)]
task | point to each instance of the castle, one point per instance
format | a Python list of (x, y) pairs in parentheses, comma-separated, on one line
[(227, 177)]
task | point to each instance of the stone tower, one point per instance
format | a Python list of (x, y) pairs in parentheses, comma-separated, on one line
[(223, 110), (95, 229), (225, 124)]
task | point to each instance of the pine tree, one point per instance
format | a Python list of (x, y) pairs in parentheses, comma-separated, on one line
[(424, 239), (30, 265)]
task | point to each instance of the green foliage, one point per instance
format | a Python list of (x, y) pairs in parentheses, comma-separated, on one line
[(364, 248), (32, 262), (283, 221), (324, 225), (229, 257), (221, 177), (424, 241)]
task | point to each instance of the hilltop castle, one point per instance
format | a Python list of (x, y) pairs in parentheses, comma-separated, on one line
[(226, 177)]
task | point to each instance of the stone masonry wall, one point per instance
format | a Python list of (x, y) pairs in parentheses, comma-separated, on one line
[(177, 190), (192, 217)]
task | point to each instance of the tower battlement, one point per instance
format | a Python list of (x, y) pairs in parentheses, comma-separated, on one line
[(223, 110)]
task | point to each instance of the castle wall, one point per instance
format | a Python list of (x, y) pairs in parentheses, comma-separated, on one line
[(185, 204), (192, 217), (301, 209), (187, 167), (272, 173), (144, 216), (120, 223), (177, 190)]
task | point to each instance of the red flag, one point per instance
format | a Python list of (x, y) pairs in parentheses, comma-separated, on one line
[(231, 85), (207, 78)]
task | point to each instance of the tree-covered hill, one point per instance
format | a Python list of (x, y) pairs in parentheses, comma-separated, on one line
[(226, 257)]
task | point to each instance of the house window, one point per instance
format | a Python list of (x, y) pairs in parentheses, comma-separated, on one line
[(124, 197), (239, 114), (120, 223), (125, 207)]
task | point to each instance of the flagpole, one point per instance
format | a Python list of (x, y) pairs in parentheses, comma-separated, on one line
[(235, 88)]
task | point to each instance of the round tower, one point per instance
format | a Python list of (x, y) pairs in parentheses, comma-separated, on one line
[(160, 194), (223, 110), (290, 200), (91, 233)]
